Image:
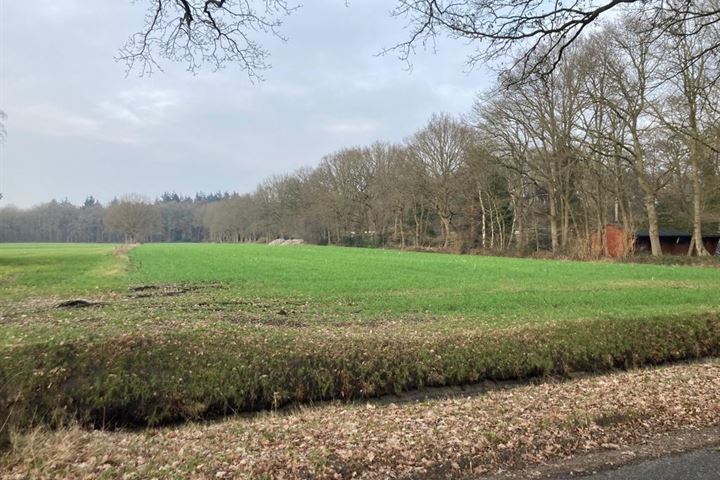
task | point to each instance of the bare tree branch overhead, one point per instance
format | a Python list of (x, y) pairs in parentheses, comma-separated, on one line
[(528, 36), (205, 33), (534, 34)]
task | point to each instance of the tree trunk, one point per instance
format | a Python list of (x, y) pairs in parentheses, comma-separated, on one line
[(501, 226), (697, 240), (492, 229), (553, 217), (653, 230), (483, 221), (649, 195), (565, 206), (445, 222), (512, 231), (519, 218), (620, 204)]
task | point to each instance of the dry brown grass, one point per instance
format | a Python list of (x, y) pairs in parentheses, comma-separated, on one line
[(446, 438), (124, 249)]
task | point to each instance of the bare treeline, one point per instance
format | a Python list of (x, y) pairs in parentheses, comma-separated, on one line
[(170, 218), (624, 129)]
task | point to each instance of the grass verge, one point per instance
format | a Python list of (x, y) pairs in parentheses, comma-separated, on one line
[(204, 372)]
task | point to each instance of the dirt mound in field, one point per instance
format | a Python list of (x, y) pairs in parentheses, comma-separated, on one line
[(160, 290), (76, 303), (284, 243)]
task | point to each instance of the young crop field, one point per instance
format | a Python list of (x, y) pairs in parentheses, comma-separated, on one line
[(166, 332)]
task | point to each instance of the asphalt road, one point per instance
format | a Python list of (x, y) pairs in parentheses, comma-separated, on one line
[(697, 465)]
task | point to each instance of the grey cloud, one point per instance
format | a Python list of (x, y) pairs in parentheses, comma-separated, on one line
[(79, 126)]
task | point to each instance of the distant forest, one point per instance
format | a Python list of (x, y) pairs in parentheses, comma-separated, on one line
[(625, 129)]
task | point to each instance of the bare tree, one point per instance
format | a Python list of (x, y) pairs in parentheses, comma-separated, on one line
[(526, 27), (205, 32), (688, 108), (532, 123), (133, 216), (347, 177), (624, 54), (442, 148), (536, 33)]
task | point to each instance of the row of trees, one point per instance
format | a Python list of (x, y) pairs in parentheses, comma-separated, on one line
[(627, 118), (132, 218), (622, 128)]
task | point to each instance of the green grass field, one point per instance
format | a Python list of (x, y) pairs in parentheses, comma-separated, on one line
[(389, 283), (187, 330)]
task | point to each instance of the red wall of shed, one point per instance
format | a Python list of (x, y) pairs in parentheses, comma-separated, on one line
[(615, 241)]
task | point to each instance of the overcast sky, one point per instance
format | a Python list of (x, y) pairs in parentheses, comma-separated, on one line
[(78, 126)]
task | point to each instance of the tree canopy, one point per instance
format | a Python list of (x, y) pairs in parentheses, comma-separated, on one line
[(527, 37)]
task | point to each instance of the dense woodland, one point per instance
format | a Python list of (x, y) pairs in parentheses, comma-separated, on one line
[(624, 129)]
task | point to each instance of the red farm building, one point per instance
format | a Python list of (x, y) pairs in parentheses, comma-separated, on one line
[(672, 241)]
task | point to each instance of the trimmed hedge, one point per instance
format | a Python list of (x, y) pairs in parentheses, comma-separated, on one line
[(201, 373)]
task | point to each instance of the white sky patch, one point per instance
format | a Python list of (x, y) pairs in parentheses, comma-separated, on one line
[(285, 89), (55, 120), (346, 127), (140, 107), (115, 111), (58, 10), (456, 95)]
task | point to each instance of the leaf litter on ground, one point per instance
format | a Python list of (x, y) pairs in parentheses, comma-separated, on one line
[(462, 436)]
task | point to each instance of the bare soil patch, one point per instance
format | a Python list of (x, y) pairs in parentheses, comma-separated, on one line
[(169, 290), (77, 303)]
